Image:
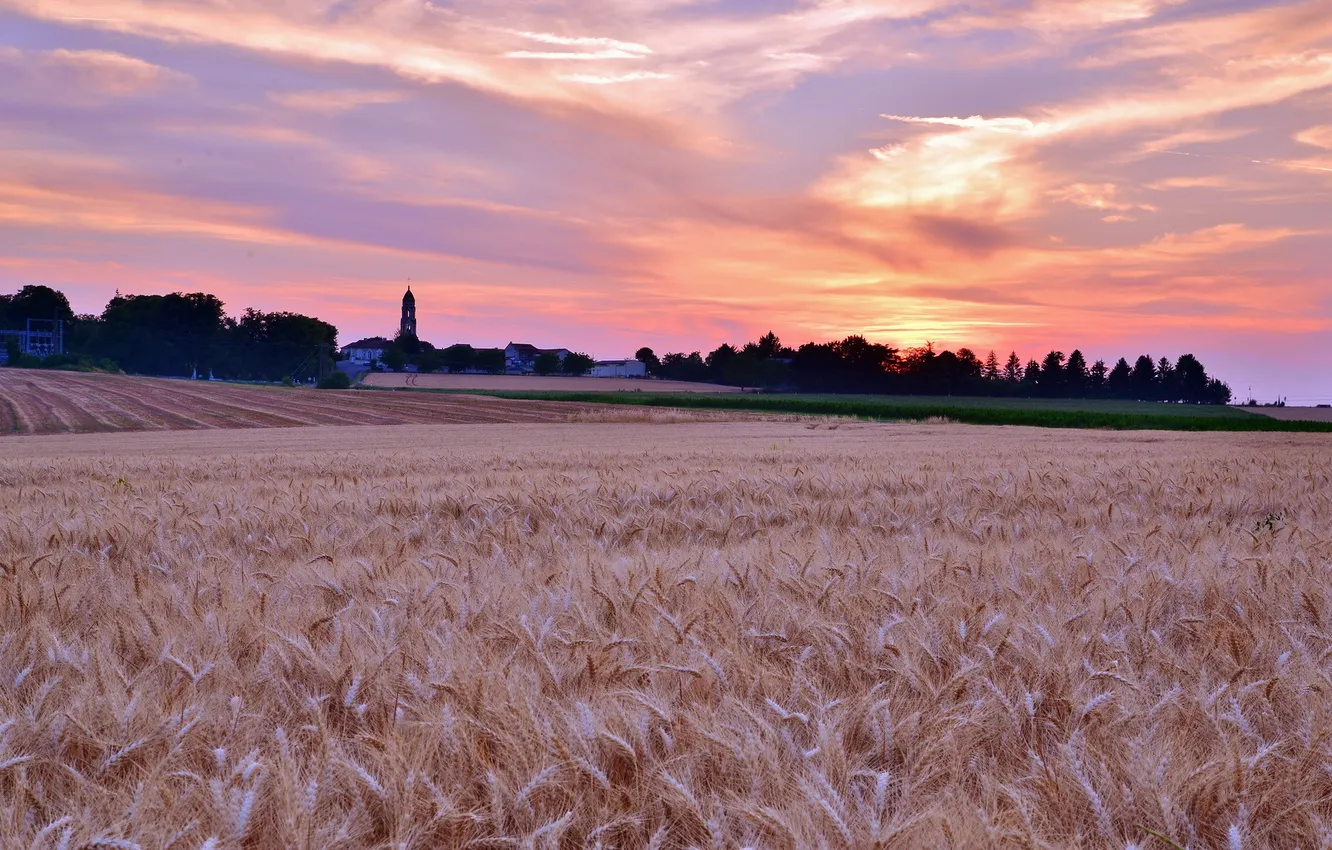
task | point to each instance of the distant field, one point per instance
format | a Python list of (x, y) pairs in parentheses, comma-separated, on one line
[(535, 383), (41, 402), (1038, 405), (1296, 414), (1044, 413)]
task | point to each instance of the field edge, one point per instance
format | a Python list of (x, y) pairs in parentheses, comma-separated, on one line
[(862, 408)]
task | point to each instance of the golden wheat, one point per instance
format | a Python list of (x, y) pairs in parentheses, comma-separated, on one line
[(756, 634)]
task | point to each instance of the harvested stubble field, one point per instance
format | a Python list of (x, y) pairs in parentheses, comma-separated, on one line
[(39, 402), (757, 634)]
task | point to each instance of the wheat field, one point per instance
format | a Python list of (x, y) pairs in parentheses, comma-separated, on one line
[(666, 635)]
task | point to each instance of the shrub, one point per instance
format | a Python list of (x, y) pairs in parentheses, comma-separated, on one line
[(336, 381)]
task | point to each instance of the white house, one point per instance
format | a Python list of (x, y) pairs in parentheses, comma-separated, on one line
[(520, 358), (366, 350), (619, 369)]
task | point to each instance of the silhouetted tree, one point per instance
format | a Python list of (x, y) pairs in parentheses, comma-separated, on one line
[(577, 363), (33, 301), (459, 358), (489, 360), (1031, 377), (271, 346), (969, 367), (430, 359), (1120, 381), (1076, 375), (1097, 375), (1218, 392), (410, 345), (678, 366), (162, 334), (719, 358), (1053, 376), (819, 367), (1142, 380), (991, 366), (768, 346), (743, 370), (394, 358), (546, 364), (870, 358), (1190, 380), (1167, 389), (648, 358), (1013, 368)]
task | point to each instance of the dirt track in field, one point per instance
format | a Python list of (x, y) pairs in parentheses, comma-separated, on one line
[(40, 402)]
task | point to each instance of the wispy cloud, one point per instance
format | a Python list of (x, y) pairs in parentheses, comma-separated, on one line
[(591, 56), (976, 122), (335, 101), (611, 79), (587, 41), (62, 74)]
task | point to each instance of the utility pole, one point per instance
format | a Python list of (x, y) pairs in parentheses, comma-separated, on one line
[(326, 366)]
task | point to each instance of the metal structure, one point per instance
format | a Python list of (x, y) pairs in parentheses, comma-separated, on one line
[(42, 338), (317, 366)]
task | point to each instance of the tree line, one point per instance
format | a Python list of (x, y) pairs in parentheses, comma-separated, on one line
[(191, 334), (856, 365), (407, 350), (180, 334)]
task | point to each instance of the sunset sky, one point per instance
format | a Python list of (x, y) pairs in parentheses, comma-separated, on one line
[(1123, 176)]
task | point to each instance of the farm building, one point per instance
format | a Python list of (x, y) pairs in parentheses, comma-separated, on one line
[(520, 358), (619, 369), (366, 350)]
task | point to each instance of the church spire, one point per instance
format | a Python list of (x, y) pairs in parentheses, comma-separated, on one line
[(408, 325)]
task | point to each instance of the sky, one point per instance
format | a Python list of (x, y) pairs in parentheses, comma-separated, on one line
[(1118, 176)]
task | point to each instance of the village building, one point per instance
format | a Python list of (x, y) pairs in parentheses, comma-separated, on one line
[(366, 350), (520, 358), (619, 369)]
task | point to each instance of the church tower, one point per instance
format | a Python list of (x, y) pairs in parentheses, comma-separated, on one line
[(408, 326)]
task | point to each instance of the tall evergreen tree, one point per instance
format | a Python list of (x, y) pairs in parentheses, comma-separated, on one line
[(1167, 389), (768, 346), (1119, 383), (1053, 376), (1076, 375), (1191, 380), (1097, 376), (991, 366), (1031, 376), (1013, 368), (1142, 380)]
